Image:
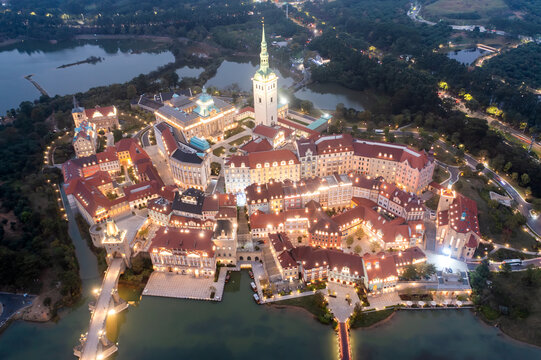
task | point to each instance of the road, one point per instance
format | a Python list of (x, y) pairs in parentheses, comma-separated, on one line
[(145, 140), (414, 13), (11, 303), (492, 121), (97, 320)]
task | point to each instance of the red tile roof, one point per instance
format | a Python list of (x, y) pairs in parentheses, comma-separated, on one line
[(189, 240), (256, 145), (311, 258), (260, 220), (253, 159), (280, 242), (108, 155), (102, 110), (265, 131)]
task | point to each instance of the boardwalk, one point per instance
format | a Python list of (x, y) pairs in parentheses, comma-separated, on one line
[(38, 86), (97, 320)]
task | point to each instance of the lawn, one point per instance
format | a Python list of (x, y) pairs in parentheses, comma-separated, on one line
[(366, 319), (219, 151), (315, 304), (513, 303), (233, 132), (240, 140), (494, 223), (466, 11), (440, 174), (503, 254)]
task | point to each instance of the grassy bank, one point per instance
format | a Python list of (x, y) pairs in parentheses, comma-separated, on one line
[(314, 304), (510, 302), (496, 221), (361, 319)]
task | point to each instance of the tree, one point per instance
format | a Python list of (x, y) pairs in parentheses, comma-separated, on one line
[(349, 240), (426, 270), (507, 166), (480, 167), (524, 179), (410, 272), (506, 269), (357, 249), (480, 276), (131, 91)]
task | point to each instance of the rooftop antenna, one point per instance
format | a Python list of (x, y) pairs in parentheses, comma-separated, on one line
[(287, 10)]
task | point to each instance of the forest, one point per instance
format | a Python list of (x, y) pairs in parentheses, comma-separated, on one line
[(520, 65)]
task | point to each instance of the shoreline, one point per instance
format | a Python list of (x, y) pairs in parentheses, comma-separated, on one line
[(488, 324)]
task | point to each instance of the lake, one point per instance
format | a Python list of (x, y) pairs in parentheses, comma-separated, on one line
[(466, 56), (437, 334), (324, 96), (122, 61)]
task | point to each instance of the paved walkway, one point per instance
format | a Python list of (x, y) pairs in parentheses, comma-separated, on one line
[(379, 302), (185, 286), (339, 305)]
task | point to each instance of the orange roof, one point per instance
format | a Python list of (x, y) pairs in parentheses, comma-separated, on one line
[(104, 111)]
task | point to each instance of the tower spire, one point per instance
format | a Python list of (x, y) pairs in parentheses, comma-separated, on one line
[(264, 55)]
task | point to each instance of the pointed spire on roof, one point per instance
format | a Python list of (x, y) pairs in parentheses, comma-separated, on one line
[(264, 55)]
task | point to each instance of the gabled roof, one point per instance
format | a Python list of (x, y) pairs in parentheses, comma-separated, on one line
[(104, 111), (181, 240), (260, 220), (264, 157), (259, 144), (280, 242)]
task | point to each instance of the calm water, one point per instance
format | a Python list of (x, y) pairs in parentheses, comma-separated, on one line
[(439, 335), (119, 65), (466, 56), (327, 96), (236, 328), (240, 73), (324, 96)]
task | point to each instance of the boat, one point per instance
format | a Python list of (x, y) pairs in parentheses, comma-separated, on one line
[(251, 274), (256, 298), (227, 278), (254, 288)]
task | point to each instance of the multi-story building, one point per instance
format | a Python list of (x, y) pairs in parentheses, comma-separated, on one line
[(265, 87), (383, 269), (329, 264), (260, 167), (457, 233), (389, 231), (225, 241), (189, 166), (410, 170), (262, 224), (108, 160), (333, 192), (183, 251), (202, 116), (276, 135), (84, 139), (102, 118)]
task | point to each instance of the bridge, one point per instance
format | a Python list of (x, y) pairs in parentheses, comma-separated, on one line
[(343, 341), (94, 344)]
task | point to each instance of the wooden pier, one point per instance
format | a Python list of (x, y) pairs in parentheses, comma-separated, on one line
[(38, 86)]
